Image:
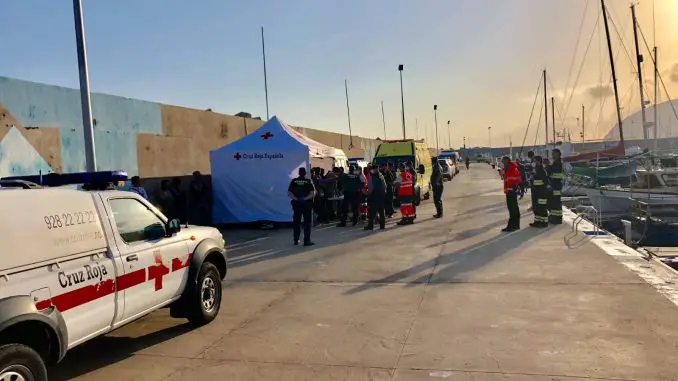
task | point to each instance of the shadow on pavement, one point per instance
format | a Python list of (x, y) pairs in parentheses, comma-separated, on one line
[(458, 262), (107, 350), (280, 245)]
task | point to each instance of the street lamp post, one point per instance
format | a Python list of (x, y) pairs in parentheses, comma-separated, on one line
[(449, 136), (88, 129), (489, 135), (435, 117), (402, 97)]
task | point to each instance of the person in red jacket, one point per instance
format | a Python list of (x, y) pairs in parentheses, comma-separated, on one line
[(511, 189)]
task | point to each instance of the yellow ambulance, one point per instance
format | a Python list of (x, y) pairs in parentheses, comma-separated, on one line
[(408, 150)]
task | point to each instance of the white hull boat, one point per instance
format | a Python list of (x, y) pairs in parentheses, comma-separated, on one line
[(617, 201)]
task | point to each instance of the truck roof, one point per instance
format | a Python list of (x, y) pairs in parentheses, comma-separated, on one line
[(44, 225)]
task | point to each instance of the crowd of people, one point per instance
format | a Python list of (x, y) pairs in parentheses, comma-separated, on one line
[(545, 181), (191, 206), (368, 193)]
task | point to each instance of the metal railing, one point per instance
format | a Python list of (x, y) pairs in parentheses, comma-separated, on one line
[(590, 214)]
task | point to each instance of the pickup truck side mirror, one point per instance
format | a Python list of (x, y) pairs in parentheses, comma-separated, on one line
[(173, 226), (421, 169)]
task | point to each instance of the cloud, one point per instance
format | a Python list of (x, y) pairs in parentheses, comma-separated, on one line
[(674, 73), (600, 91)]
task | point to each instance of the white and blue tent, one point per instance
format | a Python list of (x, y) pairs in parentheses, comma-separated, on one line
[(250, 176)]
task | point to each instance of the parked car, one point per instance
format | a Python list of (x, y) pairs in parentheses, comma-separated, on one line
[(448, 168)]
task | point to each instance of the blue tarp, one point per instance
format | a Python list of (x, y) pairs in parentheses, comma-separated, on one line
[(250, 176)]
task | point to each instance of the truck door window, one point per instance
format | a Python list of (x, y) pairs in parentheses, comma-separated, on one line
[(135, 222)]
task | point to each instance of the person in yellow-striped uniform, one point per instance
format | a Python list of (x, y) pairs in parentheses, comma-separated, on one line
[(556, 176), (540, 184)]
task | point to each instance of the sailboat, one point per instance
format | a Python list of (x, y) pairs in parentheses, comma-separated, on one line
[(651, 185)]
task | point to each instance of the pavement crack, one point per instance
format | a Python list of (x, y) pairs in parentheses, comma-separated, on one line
[(421, 301)]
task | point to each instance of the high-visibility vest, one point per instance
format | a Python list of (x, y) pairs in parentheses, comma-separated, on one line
[(406, 181), (511, 177)]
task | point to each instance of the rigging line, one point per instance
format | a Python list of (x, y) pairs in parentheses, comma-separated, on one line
[(562, 119), (536, 135), (621, 40), (626, 109), (620, 48), (531, 113), (576, 48), (654, 25), (581, 66), (659, 75)]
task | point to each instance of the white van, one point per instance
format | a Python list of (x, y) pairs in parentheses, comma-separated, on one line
[(75, 265)]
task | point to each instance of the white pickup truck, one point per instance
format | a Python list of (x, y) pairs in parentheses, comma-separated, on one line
[(75, 265)]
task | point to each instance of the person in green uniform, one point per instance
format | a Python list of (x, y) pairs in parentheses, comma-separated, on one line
[(350, 186), (301, 191), (556, 175), (540, 184)]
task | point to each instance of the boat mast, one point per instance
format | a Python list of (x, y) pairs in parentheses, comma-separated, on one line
[(546, 117), (614, 73), (656, 94), (639, 62), (553, 121), (583, 137)]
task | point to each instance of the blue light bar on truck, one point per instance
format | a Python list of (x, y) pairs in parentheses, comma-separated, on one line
[(61, 179)]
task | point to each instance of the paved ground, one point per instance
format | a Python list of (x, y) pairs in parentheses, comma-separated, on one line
[(442, 299)]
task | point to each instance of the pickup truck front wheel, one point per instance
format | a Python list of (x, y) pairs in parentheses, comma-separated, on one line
[(21, 363), (206, 299)]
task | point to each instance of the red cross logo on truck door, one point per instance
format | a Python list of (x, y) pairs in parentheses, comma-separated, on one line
[(158, 271), (237, 156), (267, 136)]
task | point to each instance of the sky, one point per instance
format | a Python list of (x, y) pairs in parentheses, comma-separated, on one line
[(479, 60)]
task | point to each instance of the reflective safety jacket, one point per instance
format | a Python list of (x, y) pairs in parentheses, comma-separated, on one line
[(540, 179), (406, 184), (556, 174), (511, 177)]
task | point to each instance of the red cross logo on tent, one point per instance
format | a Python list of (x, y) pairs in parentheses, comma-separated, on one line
[(267, 136), (237, 156)]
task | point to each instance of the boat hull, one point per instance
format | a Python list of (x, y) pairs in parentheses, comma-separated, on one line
[(618, 201)]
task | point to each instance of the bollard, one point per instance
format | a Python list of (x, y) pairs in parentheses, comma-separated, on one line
[(627, 232)]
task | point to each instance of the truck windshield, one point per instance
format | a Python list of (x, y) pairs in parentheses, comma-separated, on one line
[(395, 160)]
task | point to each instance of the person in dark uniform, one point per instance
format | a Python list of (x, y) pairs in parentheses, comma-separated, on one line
[(530, 177), (540, 183), (350, 186), (376, 192), (437, 185), (389, 177), (301, 191), (556, 175)]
